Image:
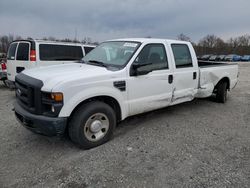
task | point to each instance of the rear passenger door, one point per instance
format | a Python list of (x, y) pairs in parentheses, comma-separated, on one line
[(185, 76), (18, 58), (11, 57), (22, 57)]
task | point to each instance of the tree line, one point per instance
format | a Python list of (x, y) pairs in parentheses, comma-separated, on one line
[(210, 44)]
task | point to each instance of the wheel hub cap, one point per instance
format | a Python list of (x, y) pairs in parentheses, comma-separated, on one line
[(95, 126)]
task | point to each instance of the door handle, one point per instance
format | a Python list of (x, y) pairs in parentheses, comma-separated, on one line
[(194, 75), (170, 79)]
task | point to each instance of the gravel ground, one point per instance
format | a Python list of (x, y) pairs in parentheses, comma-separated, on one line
[(195, 144)]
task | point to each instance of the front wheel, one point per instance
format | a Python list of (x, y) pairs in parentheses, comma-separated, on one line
[(221, 95), (92, 124)]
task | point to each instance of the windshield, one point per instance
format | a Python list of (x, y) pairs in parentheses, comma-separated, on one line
[(114, 53)]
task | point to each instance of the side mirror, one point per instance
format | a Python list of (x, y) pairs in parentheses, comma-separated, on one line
[(138, 69)]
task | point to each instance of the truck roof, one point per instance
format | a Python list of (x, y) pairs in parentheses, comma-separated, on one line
[(150, 40), (55, 42)]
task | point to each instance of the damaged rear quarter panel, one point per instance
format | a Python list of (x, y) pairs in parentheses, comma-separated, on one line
[(210, 76)]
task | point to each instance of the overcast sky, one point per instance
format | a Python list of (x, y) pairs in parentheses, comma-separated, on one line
[(108, 19)]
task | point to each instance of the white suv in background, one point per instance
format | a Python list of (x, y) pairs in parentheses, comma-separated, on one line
[(26, 54)]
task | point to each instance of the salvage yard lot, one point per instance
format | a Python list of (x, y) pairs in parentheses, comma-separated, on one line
[(195, 144)]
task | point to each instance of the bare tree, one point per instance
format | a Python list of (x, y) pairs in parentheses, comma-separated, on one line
[(87, 40), (243, 40), (5, 41), (52, 38), (208, 41), (66, 40), (183, 37)]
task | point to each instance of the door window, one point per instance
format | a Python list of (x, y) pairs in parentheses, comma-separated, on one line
[(153, 56), (182, 55), (23, 52), (12, 51)]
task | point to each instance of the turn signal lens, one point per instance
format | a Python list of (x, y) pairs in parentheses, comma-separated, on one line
[(58, 97)]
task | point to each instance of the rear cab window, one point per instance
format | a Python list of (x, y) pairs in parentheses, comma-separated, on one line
[(56, 52), (182, 56), (23, 51), (12, 51)]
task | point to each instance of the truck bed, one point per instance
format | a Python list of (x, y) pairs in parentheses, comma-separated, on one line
[(212, 72), (204, 64)]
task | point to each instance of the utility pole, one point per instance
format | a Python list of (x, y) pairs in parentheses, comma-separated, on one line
[(75, 34)]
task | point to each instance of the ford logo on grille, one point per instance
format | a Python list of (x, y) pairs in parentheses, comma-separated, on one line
[(19, 91)]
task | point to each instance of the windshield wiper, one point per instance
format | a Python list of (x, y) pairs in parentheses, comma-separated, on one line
[(80, 61), (98, 63)]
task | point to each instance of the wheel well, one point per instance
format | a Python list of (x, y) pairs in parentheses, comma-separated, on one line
[(225, 79), (106, 99)]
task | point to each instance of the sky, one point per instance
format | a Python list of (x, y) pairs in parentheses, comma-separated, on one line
[(108, 19)]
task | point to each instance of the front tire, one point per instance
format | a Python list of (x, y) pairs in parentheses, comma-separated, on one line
[(92, 124), (221, 95)]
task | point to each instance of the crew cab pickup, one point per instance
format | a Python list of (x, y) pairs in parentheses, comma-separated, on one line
[(117, 79)]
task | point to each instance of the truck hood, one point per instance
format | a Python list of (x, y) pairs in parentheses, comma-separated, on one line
[(56, 74)]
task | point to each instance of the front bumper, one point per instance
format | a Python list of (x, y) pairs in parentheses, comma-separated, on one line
[(48, 126), (3, 75)]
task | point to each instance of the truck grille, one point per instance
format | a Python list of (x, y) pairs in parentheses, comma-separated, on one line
[(28, 93), (25, 94)]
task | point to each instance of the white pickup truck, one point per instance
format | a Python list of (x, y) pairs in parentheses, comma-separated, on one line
[(119, 78)]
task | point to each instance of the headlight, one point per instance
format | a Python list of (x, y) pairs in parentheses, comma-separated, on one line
[(52, 103)]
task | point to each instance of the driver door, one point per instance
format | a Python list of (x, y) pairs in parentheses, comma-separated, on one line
[(150, 84)]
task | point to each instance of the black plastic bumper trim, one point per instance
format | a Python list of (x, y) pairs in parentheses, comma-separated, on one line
[(49, 126)]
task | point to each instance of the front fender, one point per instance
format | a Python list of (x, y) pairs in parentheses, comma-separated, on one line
[(73, 101)]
